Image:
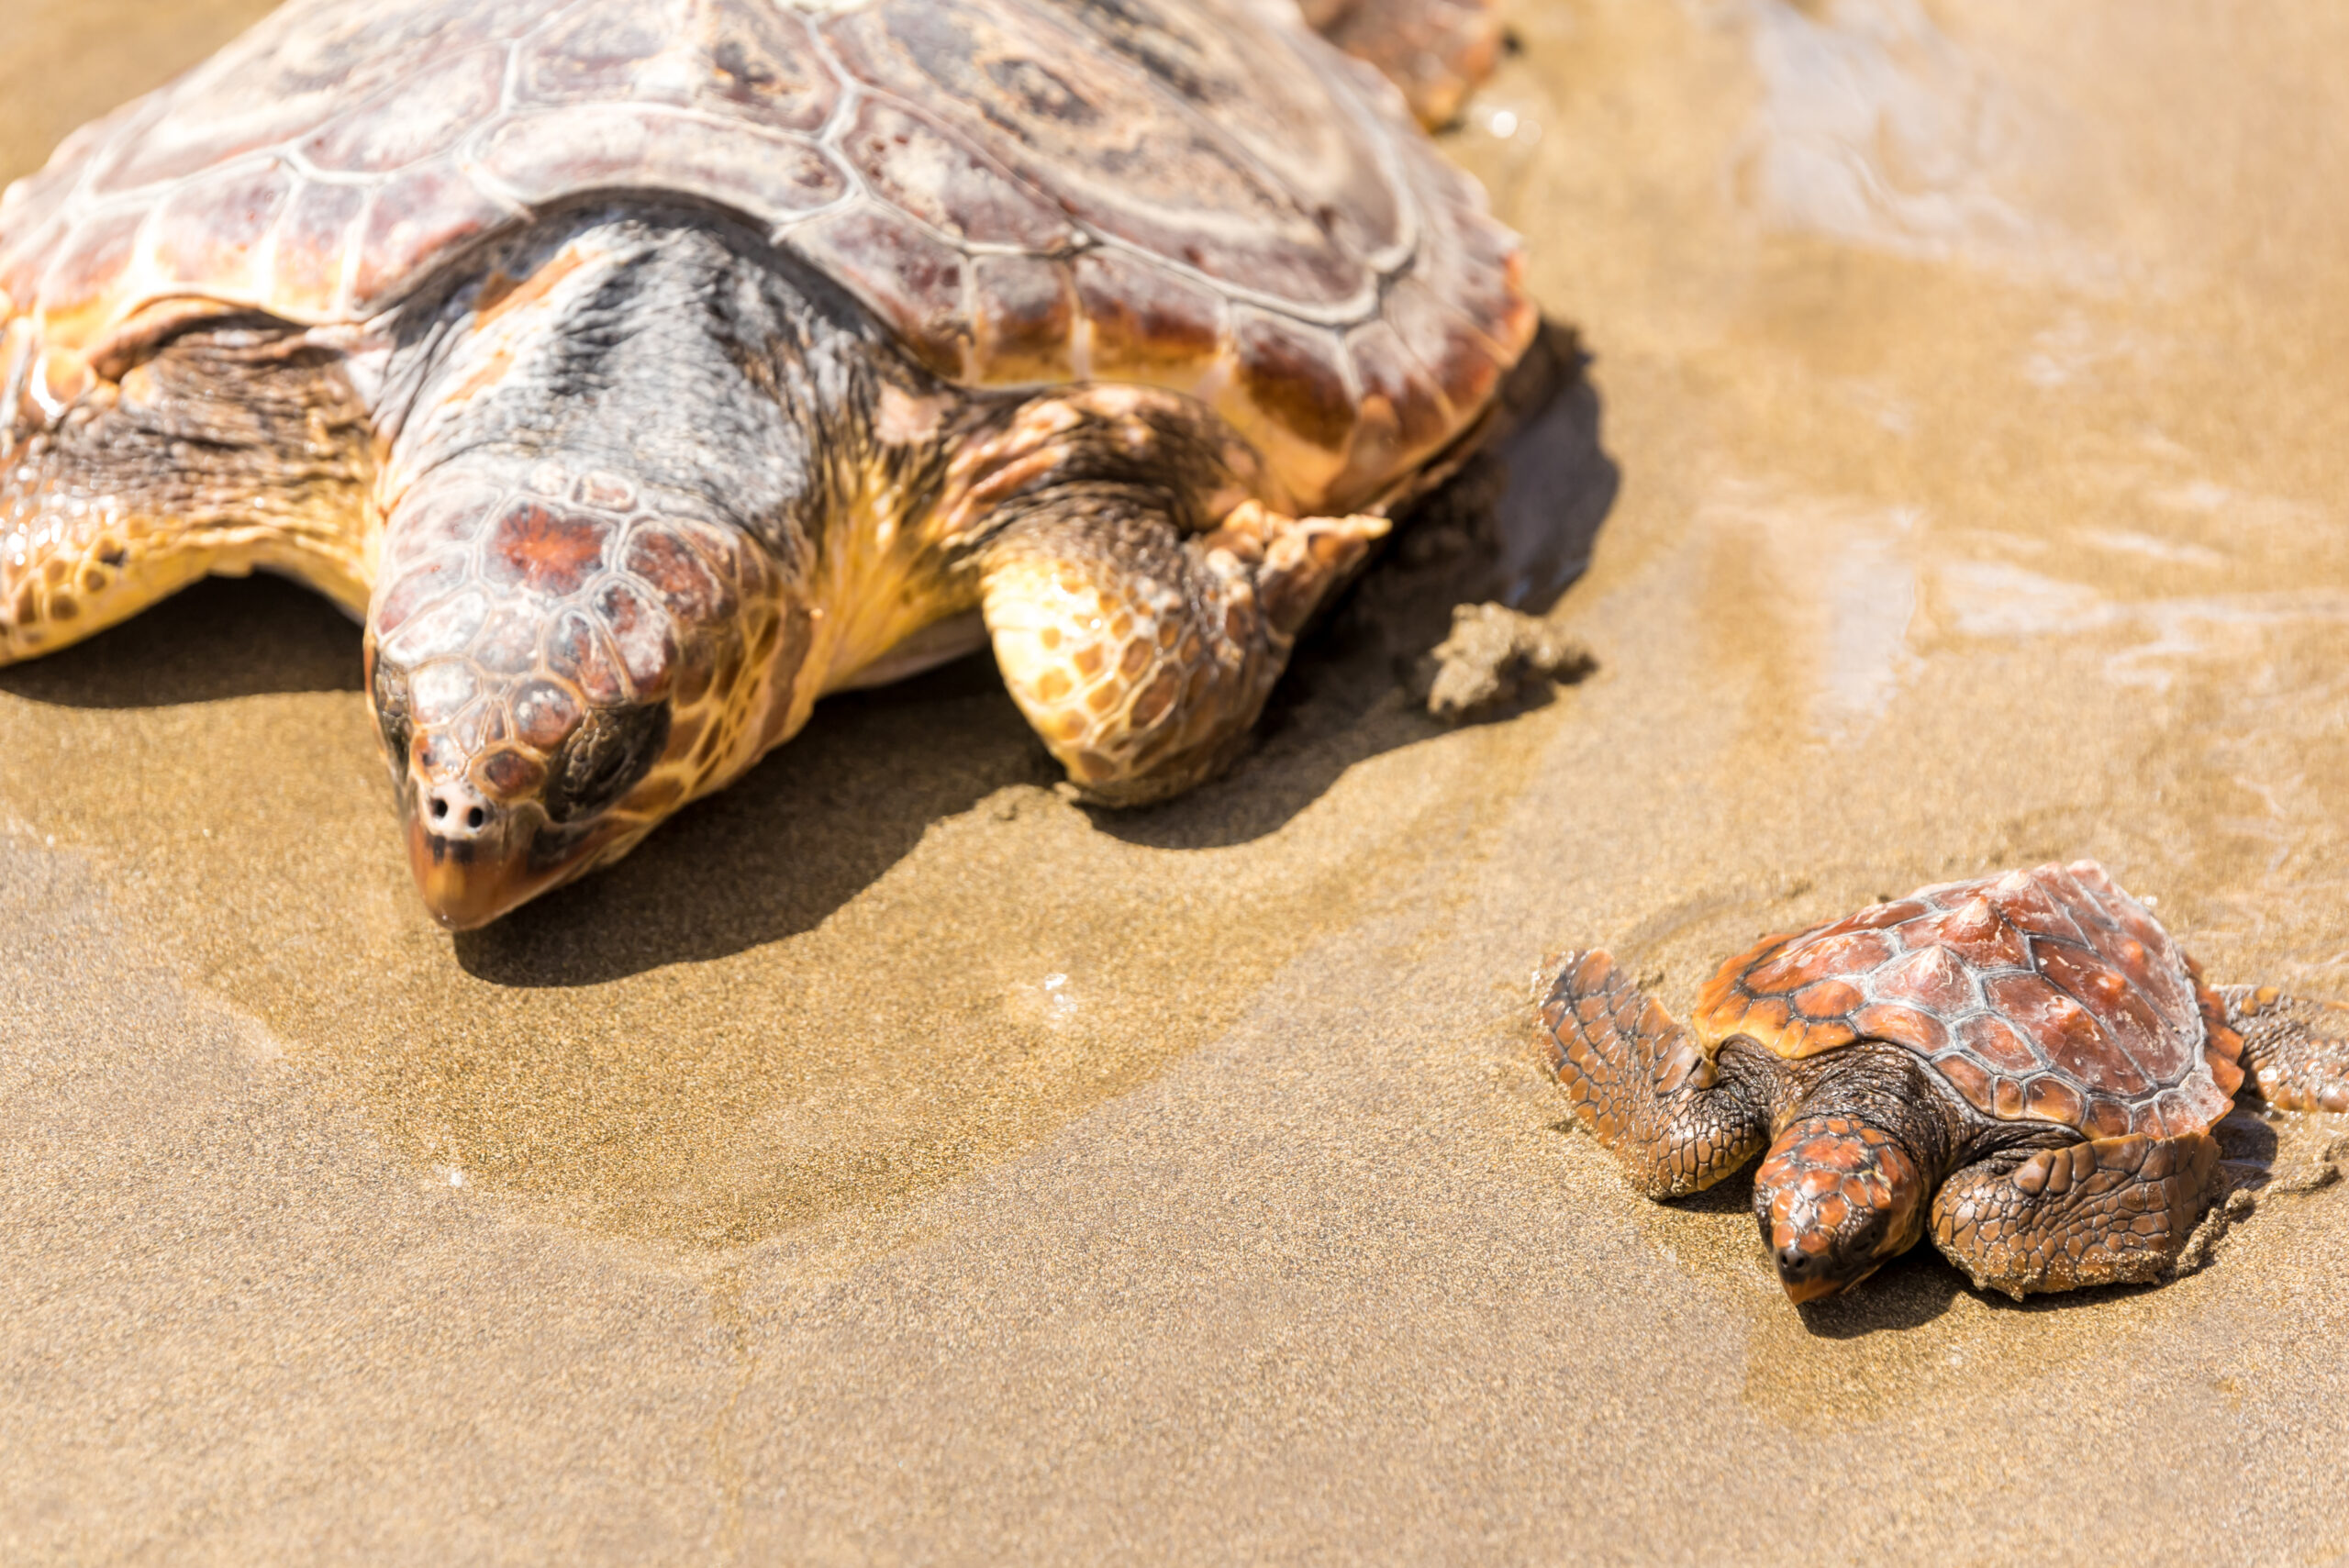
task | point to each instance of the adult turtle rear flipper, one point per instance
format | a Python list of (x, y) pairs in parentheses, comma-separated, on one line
[(1641, 1084), (2295, 1051), (238, 444)]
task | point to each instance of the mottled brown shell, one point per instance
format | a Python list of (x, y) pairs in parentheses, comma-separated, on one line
[(1195, 195), (2047, 995)]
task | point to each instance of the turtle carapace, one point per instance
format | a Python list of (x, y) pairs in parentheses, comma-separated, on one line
[(2024, 1065)]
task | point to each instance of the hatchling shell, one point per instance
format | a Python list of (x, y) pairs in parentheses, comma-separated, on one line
[(2048, 994), (1201, 197)]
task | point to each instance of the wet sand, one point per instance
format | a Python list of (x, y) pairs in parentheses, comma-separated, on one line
[(893, 1161)]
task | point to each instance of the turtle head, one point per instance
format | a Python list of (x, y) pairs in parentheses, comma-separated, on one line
[(557, 662), (1836, 1196)]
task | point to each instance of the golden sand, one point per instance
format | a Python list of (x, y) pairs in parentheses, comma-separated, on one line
[(894, 1161)]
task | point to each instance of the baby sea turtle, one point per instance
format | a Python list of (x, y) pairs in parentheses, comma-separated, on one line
[(644, 370), (2026, 1062)]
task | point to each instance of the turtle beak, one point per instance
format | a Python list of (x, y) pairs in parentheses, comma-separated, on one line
[(470, 855), (1801, 1290)]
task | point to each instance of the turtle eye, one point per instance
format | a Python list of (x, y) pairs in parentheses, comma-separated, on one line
[(392, 717), (604, 758)]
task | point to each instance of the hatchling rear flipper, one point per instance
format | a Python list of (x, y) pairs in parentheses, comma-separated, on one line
[(1641, 1084), (2111, 1211), (2293, 1051)]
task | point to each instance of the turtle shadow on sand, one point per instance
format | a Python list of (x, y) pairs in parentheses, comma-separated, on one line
[(223, 637), (1911, 1290), (813, 824)]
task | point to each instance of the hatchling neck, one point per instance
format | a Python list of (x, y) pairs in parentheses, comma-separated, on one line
[(1879, 1087)]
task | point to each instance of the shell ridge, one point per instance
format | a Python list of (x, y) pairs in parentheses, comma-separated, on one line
[(1478, 213), (1355, 311), (1460, 319), (838, 126), (2162, 949), (2198, 1045), (1361, 308), (79, 196), (1418, 362), (1391, 259), (2027, 969), (1080, 40), (2195, 1036), (477, 163), (851, 88), (1378, 137), (2104, 910), (347, 282), (2110, 1038)]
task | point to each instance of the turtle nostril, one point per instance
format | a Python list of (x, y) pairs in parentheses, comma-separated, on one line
[(1793, 1262), (457, 812)]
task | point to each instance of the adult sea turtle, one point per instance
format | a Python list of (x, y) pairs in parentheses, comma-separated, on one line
[(644, 369), (2026, 1064)]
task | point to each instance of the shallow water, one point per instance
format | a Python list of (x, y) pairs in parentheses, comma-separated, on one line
[(893, 1159)]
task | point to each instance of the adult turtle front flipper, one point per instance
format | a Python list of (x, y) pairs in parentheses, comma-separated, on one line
[(649, 371), (1142, 656), (2027, 1060), (233, 442)]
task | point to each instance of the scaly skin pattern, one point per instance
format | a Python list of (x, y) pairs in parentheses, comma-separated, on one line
[(1139, 656), (2109, 1211), (1948, 1048), (559, 662), (1640, 1083), (1834, 1187), (247, 447), (2293, 1049), (646, 371)]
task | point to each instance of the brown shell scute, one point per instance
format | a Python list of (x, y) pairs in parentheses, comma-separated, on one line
[(2048, 994), (1192, 195)]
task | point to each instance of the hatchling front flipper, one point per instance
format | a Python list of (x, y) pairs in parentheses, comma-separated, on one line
[(2107, 1211), (2117, 1210), (1140, 655), (1642, 1085)]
